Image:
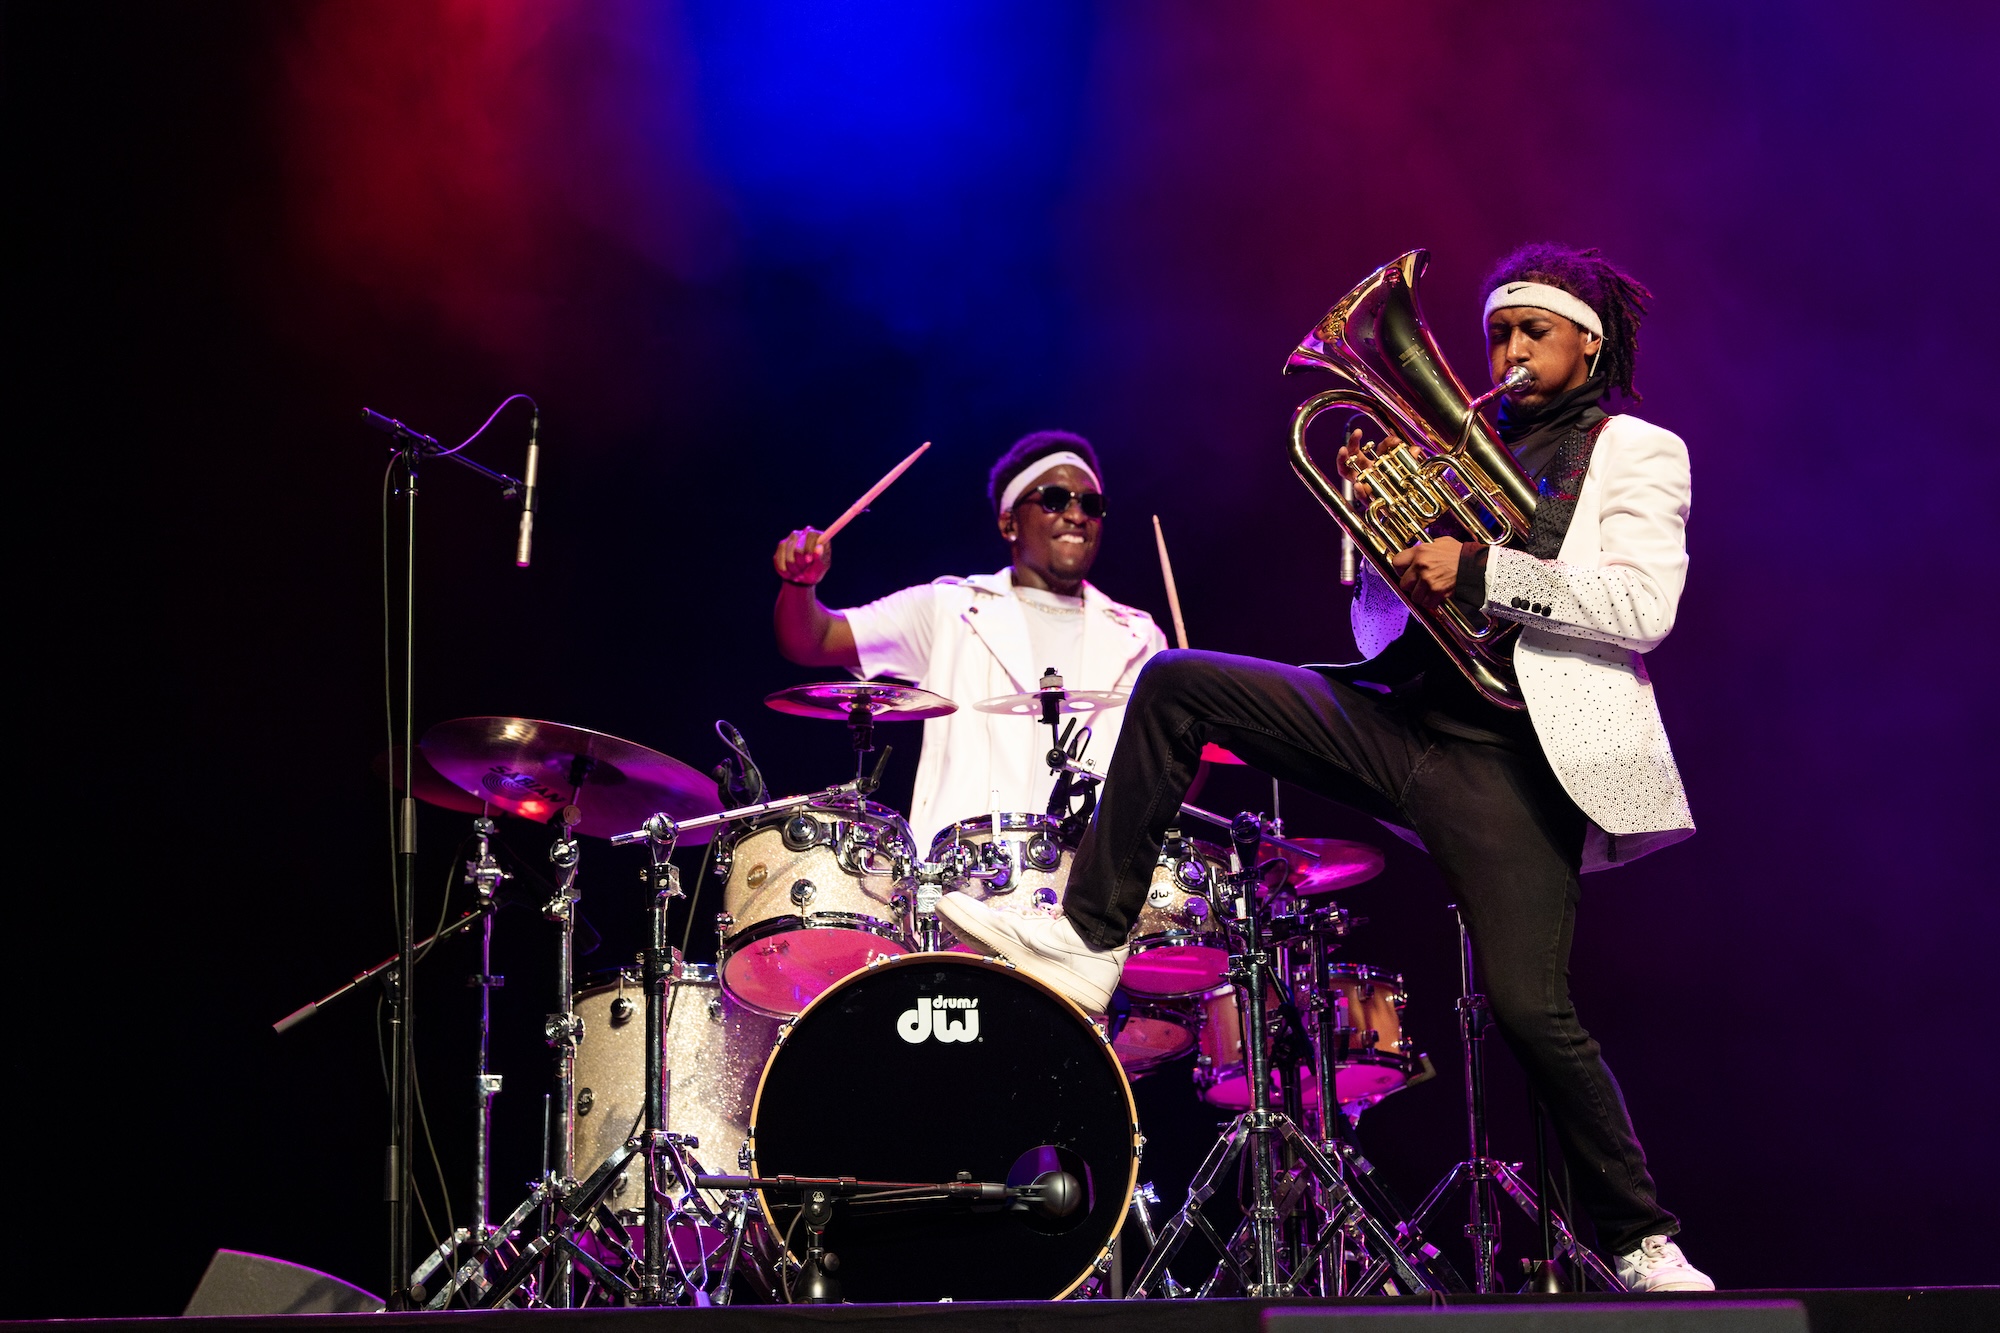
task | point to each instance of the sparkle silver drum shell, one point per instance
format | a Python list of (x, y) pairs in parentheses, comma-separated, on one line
[(929, 1065), (1037, 864), (1178, 949), (715, 1054), (809, 896)]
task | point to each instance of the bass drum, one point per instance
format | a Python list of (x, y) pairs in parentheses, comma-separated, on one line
[(929, 1065)]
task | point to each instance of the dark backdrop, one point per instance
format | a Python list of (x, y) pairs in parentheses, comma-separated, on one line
[(745, 257)]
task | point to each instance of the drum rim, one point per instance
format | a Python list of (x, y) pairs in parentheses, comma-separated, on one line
[(1137, 1140), (866, 812), (633, 974), (1030, 822), (731, 945)]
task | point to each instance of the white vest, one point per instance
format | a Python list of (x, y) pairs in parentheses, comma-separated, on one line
[(980, 650)]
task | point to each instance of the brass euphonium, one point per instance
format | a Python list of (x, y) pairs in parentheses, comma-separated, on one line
[(1457, 475)]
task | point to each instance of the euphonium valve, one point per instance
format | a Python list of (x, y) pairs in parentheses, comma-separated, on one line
[(1438, 469)]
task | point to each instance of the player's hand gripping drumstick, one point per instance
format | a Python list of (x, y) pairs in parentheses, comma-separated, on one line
[(802, 557)]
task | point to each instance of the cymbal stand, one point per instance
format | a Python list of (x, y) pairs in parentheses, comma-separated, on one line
[(486, 876), (1259, 1130), (1485, 1179), (563, 1029), (663, 878)]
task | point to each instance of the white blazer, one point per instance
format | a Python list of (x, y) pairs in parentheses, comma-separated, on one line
[(976, 637), (1608, 596)]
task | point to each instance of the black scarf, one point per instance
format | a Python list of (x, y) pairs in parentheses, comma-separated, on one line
[(1552, 443)]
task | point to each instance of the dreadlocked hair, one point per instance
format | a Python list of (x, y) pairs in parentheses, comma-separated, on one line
[(1618, 298)]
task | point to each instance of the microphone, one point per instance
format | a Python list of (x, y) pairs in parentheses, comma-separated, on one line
[(737, 780), (527, 537)]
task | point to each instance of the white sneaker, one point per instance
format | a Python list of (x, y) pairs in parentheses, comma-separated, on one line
[(1659, 1265), (1046, 948)]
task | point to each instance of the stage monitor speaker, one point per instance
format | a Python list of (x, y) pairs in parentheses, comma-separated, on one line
[(1642, 1315), (240, 1283)]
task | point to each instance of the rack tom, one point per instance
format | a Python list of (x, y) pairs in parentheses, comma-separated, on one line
[(1022, 868), (1370, 1061), (1178, 948), (811, 895)]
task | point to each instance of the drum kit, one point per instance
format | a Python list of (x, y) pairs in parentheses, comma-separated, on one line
[(906, 1118)]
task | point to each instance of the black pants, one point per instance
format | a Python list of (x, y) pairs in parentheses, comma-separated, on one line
[(1501, 828)]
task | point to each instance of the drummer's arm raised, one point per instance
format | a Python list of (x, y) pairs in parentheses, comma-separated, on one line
[(807, 632)]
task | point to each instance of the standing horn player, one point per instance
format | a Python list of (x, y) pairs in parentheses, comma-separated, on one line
[(1539, 760)]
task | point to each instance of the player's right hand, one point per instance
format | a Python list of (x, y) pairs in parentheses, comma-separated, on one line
[(803, 557)]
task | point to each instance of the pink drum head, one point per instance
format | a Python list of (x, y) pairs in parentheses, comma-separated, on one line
[(782, 974), (1355, 1083), (1176, 969)]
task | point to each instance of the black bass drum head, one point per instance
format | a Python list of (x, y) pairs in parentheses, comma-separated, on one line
[(929, 1065)]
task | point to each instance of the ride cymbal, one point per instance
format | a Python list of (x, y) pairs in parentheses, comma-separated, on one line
[(534, 769), (1341, 864)]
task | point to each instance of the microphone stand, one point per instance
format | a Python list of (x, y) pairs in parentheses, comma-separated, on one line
[(411, 448)]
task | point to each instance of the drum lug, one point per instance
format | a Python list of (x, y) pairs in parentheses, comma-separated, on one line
[(800, 832), (803, 892)]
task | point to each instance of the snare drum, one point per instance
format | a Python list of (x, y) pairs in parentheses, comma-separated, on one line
[(1024, 870), (1368, 1006), (1178, 949), (811, 896)]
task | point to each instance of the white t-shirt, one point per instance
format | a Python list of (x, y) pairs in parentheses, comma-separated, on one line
[(977, 638)]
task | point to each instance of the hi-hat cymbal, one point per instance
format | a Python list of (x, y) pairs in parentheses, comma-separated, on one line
[(1212, 753), (1341, 864), (534, 769), (432, 787), (837, 700), (1030, 705)]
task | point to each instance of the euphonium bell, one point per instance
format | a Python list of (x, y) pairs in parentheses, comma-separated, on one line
[(1439, 470)]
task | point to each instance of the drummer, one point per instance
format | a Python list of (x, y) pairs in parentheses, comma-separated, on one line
[(985, 635)]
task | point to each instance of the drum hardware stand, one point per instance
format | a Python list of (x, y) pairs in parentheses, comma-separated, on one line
[(411, 446), (1259, 1129), (1486, 1179), (1333, 1038), (1141, 1214), (563, 1029), (486, 876)]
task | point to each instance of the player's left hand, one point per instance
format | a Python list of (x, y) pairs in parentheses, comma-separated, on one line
[(1429, 571)]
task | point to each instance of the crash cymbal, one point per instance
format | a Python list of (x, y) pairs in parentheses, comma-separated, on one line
[(1341, 864), (534, 769), (1212, 753), (431, 786), (1030, 705), (837, 700)]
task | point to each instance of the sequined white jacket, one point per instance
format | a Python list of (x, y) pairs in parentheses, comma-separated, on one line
[(1609, 596)]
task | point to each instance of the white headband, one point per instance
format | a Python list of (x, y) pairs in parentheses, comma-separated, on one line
[(1035, 467), (1541, 296)]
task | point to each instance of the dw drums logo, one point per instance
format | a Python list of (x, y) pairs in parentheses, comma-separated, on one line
[(940, 1017)]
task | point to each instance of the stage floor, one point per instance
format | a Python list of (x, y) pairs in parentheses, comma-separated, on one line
[(1865, 1310)]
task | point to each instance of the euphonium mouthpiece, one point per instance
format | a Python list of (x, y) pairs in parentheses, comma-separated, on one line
[(1517, 377)]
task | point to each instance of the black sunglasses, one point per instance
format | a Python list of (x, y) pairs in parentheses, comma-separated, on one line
[(1056, 499)]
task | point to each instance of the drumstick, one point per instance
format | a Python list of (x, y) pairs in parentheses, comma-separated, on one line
[(869, 497), (1173, 593)]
